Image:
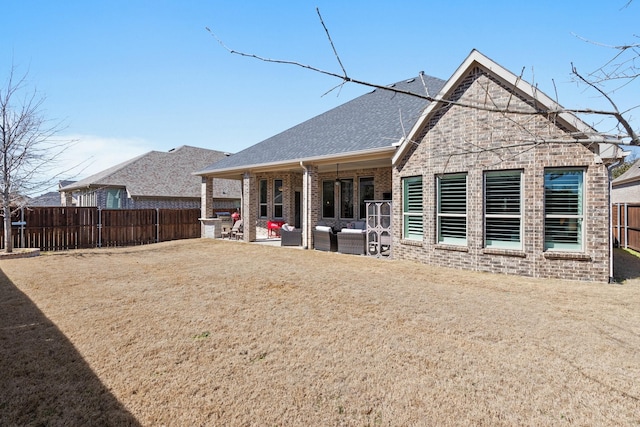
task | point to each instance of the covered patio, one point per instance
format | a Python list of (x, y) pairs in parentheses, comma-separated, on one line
[(316, 199)]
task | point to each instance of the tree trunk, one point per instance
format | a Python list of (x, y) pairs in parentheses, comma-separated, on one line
[(8, 242)]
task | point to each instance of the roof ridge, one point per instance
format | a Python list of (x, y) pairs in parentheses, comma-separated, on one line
[(102, 177), (368, 121)]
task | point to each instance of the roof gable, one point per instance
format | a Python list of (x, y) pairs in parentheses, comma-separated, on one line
[(375, 120), (506, 77)]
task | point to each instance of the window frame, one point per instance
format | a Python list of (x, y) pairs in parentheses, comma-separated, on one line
[(263, 209), (451, 218), (113, 194), (509, 212), (413, 208), (346, 204), (278, 199), (366, 185), (328, 203), (572, 219)]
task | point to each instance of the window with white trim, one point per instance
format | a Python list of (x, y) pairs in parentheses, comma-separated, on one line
[(452, 209), (503, 209), (277, 198), (563, 209), (346, 198), (328, 200), (412, 208), (263, 198), (366, 191), (114, 198)]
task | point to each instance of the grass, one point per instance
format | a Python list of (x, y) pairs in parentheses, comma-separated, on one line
[(207, 332)]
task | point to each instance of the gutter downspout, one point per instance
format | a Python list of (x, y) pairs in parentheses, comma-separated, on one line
[(609, 173), (305, 206)]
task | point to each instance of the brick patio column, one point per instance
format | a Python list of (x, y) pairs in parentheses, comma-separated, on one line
[(309, 204), (206, 201), (249, 206), (66, 198)]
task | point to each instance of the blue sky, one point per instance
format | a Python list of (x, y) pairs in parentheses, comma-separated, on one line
[(127, 77)]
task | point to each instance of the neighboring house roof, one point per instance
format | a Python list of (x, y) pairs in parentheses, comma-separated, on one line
[(631, 175), (64, 183), (374, 121), (155, 174), (52, 198), (579, 130)]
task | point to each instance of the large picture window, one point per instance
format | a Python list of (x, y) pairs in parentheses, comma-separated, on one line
[(365, 192), (346, 198), (114, 196), (328, 200), (277, 198), (563, 209), (503, 209), (412, 208), (263, 198), (452, 209)]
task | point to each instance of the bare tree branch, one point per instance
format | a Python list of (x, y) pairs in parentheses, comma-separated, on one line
[(28, 148), (335, 52), (617, 47), (511, 92), (424, 84), (347, 79), (615, 113), (490, 107)]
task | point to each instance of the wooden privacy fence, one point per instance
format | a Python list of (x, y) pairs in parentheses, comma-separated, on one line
[(626, 225), (63, 228)]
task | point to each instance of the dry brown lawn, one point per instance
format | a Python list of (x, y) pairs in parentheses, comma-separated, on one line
[(205, 332)]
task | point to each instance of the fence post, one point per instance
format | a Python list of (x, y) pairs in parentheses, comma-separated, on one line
[(618, 224), (157, 225), (626, 226), (99, 227)]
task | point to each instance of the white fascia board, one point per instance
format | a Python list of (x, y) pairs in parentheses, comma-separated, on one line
[(611, 151), (529, 90), (475, 57), (404, 143), (337, 157)]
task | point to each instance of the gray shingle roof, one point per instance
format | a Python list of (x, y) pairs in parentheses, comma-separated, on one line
[(156, 174), (52, 198), (367, 122), (631, 174)]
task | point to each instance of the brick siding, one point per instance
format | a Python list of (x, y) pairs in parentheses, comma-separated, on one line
[(293, 181), (474, 141)]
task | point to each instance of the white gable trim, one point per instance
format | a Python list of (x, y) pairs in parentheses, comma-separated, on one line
[(476, 58)]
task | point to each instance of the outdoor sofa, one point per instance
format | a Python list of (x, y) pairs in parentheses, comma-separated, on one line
[(353, 239), (352, 242), (291, 237), (324, 239)]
